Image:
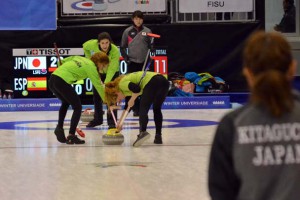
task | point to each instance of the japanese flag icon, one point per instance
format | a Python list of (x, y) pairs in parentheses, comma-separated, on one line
[(36, 63)]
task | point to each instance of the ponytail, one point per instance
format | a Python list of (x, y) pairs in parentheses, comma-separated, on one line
[(273, 90), (268, 58)]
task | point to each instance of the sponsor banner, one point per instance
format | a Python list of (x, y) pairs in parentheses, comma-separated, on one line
[(48, 52), (206, 6), (199, 102), (34, 63), (7, 105), (37, 83), (53, 104), (112, 6)]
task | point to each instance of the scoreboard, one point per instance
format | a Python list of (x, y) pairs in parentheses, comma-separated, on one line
[(33, 67)]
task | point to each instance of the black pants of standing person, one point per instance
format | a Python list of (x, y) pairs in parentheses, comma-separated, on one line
[(67, 95), (98, 107), (154, 94)]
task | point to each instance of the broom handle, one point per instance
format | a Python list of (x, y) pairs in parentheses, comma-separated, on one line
[(57, 53), (122, 119)]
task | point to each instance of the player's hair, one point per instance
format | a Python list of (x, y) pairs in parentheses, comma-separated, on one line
[(268, 57), (100, 57), (138, 14), (111, 90), (104, 35)]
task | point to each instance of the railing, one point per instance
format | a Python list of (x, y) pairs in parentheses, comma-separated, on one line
[(172, 10), (202, 17)]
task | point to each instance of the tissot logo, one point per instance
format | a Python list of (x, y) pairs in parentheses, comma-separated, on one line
[(44, 52), (34, 52), (47, 52)]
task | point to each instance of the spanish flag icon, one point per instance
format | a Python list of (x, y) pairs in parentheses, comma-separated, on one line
[(36, 83)]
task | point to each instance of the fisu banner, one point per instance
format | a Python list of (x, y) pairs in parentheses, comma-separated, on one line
[(28, 15), (112, 6), (206, 6)]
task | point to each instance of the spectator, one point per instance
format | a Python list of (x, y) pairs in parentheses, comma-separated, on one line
[(288, 21), (255, 151)]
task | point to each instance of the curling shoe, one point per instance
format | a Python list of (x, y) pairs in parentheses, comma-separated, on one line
[(158, 139), (142, 137), (60, 134), (73, 139)]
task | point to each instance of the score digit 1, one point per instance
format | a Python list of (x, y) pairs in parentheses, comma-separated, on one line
[(161, 64)]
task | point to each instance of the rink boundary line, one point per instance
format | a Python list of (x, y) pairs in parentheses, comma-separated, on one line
[(107, 146)]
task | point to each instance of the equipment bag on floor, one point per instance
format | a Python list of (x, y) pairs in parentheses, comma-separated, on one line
[(205, 82)]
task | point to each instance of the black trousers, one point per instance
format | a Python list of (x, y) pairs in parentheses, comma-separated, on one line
[(98, 105), (67, 95), (134, 67), (154, 94)]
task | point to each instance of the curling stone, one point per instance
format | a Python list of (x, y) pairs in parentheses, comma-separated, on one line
[(112, 137), (87, 115)]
